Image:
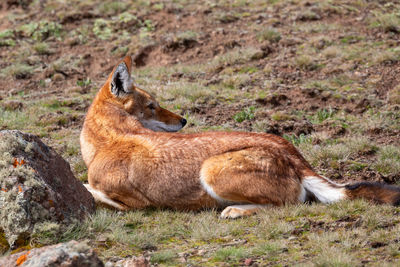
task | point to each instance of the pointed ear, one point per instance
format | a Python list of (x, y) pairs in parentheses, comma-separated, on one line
[(121, 81), (128, 62)]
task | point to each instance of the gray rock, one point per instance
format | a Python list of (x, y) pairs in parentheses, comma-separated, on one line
[(258, 54), (38, 191), (71, 254)]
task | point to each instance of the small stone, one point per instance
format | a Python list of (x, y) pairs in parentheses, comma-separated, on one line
[(58, 77), (268, 69), (291, 41), (33, 60), (68, 254), (326, 94), (133, 262), (248, 262), (75, 89), (201, 252), (101, 238), (267, 49), (258, 55), (73, 41)]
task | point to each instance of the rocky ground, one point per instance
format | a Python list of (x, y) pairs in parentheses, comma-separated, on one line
[(323, 74)]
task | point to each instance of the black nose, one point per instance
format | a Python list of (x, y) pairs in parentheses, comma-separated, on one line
[(183, 122)]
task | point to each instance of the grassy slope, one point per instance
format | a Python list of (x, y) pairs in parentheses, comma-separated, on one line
[(324, 74)]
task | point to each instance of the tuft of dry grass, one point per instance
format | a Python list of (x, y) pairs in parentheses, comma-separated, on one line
[(389, 22)]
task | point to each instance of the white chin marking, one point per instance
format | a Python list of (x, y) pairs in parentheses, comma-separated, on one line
[(323, 189), (159, 126)]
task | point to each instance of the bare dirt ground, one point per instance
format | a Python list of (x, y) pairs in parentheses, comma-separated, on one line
[(323, 74)]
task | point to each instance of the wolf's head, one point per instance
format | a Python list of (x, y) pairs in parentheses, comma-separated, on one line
[(144, 107)]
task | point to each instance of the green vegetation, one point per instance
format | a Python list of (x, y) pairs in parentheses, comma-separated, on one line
[(246, 114), (306, 62), (229, 254), (41, 30), (297, 140), (113, 8), (6, 38), (102, 29), (268, 35), (84, 83), (42, 48), (389, 22), (322, 115), (18, 71), (388, 162)]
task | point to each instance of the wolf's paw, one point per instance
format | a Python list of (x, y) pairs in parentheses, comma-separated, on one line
[(231, 213), (236, 211)]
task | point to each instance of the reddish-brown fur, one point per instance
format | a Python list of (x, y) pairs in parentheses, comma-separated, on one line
[(137, 167)]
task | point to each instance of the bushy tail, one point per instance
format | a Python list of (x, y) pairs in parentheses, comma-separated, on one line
[(326, 191), (376, 192)]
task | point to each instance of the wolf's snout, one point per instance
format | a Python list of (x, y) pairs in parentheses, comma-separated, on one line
[(183, 122)]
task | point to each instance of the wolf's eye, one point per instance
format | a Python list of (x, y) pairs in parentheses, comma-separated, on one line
[(151, 106)]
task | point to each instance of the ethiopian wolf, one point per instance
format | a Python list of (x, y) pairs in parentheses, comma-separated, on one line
[(136, 159)]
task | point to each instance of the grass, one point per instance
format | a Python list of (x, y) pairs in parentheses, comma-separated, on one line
[(187, 36), (388, 22), (163, 257), (42, 48), (229, 254), (102, 29), (393, 95), (18, 71), (298, 140), (326, 233), (280, 116), (306, 62), (271, 35), (113, 8), (388, 162)]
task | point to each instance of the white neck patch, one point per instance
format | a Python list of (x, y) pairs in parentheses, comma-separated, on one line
[(159, 126)]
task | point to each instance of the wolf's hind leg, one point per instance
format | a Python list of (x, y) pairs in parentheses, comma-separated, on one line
[(102, 198), (250, 179)]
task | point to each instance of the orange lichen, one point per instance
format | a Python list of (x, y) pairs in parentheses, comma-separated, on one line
[(19, 188), (17, 163), (3, 189), (21, 259)]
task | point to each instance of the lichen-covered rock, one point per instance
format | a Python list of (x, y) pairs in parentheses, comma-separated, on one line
[(70, 254), (37, 188)]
